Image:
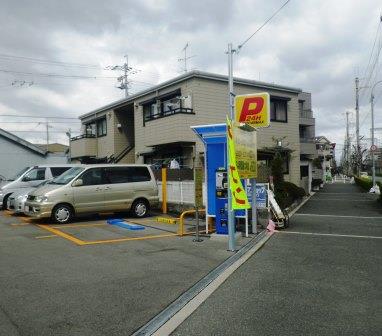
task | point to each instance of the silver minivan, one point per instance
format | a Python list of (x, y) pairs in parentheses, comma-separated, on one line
[(95, 189), (30, 177)]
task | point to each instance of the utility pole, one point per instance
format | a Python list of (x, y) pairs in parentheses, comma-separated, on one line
[(347, 143), (358, 159), (372, 130), (47, 135), (123, 79)]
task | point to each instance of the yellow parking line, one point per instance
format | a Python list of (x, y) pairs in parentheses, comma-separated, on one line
[(76, 225), (43, 237), (26, 219), (19, 224), (7, 213), (62, 234)]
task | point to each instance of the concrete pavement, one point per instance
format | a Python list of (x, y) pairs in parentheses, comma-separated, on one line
[(51, 286), (326, 282)]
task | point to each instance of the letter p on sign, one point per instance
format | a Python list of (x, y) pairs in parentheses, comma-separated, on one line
[(253, 109)]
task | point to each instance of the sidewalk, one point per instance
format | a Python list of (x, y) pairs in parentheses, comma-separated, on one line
[(326, 282)]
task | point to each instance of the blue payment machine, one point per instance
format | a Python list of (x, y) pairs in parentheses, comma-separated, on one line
[(221, 201), (215, 152)]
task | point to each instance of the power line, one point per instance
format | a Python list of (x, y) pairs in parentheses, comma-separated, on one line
[(38, 117), (263, 25), (48, 62), (55, 75)]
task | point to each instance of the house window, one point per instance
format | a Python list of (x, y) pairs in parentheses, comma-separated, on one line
[(164, 106), (170, 105), (286, 165), (101, 127), (90, 129), (279, 110)]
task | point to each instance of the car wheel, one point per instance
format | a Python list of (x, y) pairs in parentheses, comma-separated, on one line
[(140, 208), (62, 213), (5, 200)]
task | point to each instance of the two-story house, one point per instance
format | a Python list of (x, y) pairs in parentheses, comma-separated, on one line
[(326, 153), (153, 126)]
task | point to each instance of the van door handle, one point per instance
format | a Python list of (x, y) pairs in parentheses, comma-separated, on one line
[(98, 189), (107, 188)]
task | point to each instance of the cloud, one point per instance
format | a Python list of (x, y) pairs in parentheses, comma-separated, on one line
[(319, 46)]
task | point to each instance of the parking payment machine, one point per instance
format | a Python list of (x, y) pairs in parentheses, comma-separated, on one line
[(221, 201)]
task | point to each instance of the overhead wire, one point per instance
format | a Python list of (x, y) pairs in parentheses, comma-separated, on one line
[(263, 25)]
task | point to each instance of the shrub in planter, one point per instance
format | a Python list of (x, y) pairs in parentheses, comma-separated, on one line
[(380, 195), (294, 191), (364, 183)]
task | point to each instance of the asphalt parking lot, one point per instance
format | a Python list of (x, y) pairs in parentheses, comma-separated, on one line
[(321, 276), (110, 284)]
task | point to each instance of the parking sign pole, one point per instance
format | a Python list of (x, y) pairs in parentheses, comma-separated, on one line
[(231, 213), (254, 206)]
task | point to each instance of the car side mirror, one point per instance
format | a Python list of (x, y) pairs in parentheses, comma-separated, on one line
[(77, 183)]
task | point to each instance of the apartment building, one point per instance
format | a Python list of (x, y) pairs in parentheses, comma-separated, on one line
[(153, 126), (326, 154)]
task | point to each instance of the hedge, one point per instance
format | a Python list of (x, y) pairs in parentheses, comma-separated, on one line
[(364, 183), (286, 193)]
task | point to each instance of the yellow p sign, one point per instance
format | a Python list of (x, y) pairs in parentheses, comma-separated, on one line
[(253, 109)]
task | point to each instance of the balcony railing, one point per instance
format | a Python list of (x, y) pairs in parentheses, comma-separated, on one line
[(82, 136), (306, 140), (180, 110), (306, 114)]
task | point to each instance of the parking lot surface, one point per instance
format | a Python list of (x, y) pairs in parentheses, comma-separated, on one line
[(321, 276), (52, 285)]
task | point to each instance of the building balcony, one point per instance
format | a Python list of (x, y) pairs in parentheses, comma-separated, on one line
[(180, 110), (307, 146), (306, 118), (83, 145)]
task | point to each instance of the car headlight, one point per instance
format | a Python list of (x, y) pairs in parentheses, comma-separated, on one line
[(41, 199)]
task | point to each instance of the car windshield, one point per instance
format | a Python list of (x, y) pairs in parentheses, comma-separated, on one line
[(67, 176), (21, 172)]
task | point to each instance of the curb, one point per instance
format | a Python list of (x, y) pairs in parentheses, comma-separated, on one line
[(301, 204), (174, 314)]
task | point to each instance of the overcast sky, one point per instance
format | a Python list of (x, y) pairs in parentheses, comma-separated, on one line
[(319, 46)]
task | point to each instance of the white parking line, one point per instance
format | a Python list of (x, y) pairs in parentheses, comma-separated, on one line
[(339, 216), (329, 234)]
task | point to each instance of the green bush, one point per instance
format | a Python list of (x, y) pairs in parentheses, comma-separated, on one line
[(363, 182), (286, 193), (380, 189), (316, 182), (294, 191)]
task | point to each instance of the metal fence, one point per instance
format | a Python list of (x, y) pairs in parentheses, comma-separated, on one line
[(181, 192)]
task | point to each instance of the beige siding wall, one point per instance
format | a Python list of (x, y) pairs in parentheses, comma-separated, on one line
[(210, 103), (106, 143), (165, 130), (124, 136)]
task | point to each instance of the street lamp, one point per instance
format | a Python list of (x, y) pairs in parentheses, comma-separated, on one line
[(372, 130)]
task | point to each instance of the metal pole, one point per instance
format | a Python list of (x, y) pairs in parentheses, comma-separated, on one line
[(231, 213), (372, 138), (347, 144), (197, 238), (254, 206), (125, 76), (357, 126), (47, 135)]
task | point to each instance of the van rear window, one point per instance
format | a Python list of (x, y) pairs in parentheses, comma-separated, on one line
[(57, 171), (127, 174)]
